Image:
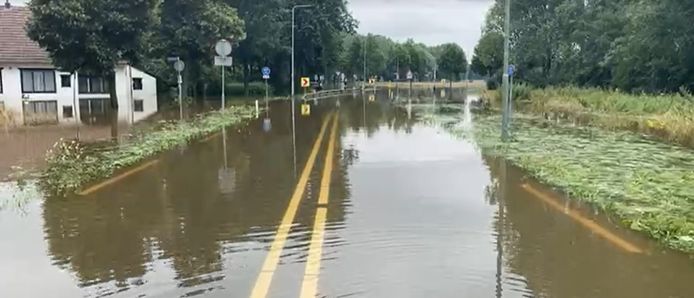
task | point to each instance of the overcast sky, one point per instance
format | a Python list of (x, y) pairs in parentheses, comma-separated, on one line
[(428, 21), (431, 22)]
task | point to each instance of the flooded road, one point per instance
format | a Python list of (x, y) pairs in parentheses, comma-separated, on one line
[(406, 211)]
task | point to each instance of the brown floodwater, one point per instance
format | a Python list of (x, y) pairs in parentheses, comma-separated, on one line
[(412, 212)]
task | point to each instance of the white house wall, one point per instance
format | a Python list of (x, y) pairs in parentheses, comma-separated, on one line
[(127, 95), (13, 97)]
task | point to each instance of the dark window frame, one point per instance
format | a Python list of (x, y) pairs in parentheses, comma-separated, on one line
[(47, 103), (21, 79), (139, 86), (104, 85), (69, 113), (139, 105), (62, 81), (1, 89)]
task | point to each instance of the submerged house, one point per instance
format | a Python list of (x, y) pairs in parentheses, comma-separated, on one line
[(33, 91)]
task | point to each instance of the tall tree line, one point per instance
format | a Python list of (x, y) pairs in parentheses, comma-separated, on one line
[(92, 36), (633, 45), (391, 60)]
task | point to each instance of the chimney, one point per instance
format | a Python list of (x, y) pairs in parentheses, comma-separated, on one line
[(7, 4)]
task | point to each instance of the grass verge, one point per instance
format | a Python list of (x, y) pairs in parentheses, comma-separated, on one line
[(646, 184), (668, 117), (72, 165)]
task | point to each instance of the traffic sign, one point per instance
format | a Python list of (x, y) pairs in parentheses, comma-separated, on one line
[(372, 81), (179, 65), (305, 82), (305, 109), (511, 69), (372, 97), (410, 75), (223, 48), (223, 61), (266, 73)]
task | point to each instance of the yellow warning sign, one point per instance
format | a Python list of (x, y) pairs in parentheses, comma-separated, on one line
[(305, 82), (305, 109)]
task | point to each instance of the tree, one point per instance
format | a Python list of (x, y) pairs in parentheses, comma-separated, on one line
[(190, 28), (263, 27), (634, 45), (489, 54), (452, 61), (92, 36)]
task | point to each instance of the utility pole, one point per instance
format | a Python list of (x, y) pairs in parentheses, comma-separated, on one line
[(364, 46), (294, 81), (505, 78)]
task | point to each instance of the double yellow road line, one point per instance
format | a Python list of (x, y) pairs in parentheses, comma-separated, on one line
[(309, 286)]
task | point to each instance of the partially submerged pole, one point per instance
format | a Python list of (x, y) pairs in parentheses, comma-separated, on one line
[(505, 77)]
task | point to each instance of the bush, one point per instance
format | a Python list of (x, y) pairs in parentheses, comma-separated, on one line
[(492, 84)]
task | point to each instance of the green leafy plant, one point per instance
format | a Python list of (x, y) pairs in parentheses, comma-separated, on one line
[(72, 165)]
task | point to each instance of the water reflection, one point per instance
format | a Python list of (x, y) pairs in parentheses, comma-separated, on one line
[(412, 212), (557, 257), (193, 211)]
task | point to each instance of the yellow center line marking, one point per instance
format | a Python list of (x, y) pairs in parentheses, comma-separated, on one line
[(588, 223), (120, 177), (309, 287), (262, 284)]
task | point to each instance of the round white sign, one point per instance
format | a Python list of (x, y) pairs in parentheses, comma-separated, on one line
[(223, 48), (179, 65)]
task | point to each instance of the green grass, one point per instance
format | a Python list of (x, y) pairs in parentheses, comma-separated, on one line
[(72, 165), (668, 117), (648, 185)]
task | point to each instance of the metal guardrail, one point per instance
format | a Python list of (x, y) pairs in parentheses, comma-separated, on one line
[(326, 94)]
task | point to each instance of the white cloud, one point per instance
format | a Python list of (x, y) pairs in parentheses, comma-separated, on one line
[(428, 21)]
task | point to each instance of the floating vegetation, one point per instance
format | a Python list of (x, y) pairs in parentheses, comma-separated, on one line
[(648, 185), (72, 165)]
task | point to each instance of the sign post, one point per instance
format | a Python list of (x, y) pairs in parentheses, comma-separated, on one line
[(305, 83), (223, 49), (179, 66), (410, 77), (266, 76)]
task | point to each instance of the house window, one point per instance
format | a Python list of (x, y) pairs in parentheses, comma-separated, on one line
[(40, 112), (38, 81), (65, 81), (137, 83), (67, 112), (139, 105), (91, 85)]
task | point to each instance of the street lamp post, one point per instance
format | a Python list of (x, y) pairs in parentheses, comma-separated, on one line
[(294, 79)]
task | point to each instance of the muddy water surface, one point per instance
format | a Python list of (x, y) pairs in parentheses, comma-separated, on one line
[(413, 212)]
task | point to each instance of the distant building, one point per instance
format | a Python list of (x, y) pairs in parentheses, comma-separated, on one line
[(33, 91)]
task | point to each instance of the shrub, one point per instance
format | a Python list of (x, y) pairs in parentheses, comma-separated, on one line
[(492, 84)]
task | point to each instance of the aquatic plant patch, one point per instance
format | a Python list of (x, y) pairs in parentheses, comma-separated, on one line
[(648, 185), (72, 165)]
